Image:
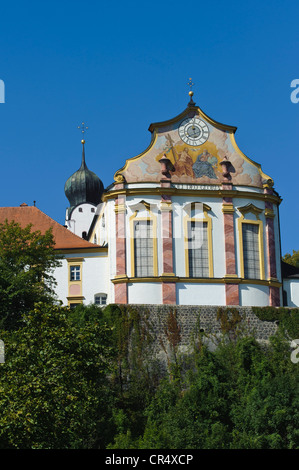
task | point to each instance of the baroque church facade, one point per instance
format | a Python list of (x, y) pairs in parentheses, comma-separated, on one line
[(189, 221)]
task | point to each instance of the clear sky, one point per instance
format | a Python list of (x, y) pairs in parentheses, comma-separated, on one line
[(119, 66)]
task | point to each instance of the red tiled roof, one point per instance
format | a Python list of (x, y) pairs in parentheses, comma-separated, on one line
[(25, 215)]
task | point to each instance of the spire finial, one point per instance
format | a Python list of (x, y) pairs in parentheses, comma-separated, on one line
[(83, 130), (191, 84)]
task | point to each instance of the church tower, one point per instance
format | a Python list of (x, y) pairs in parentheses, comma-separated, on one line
[(84, 191)]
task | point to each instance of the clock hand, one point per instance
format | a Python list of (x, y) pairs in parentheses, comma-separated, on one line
[(194, 121)]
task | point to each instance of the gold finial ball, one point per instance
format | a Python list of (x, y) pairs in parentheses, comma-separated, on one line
[(82, 141), (191, 93)]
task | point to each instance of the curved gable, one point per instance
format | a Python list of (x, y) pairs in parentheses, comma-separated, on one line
[(196, 159)]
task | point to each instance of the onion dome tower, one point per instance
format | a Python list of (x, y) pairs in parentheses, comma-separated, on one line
[(84, 186), (84, 191)]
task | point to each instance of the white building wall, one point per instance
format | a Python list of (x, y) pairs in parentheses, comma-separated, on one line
[(94, 279), (61, 275), (209, 294), (200, 294), (145, 293), (111, 240), (80, 220), (254, 295), (291, 286)]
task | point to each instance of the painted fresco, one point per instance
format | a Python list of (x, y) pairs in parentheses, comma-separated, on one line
[(193, 164)]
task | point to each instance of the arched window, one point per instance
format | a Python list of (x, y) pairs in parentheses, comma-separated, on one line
[(251, 242), (198, 241), (144, 259)]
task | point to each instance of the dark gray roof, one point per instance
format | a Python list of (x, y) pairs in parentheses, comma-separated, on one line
[(288, 271), (83, 186)]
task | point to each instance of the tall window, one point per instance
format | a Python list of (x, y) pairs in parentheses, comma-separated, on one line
[(143, 248), (198, 250), (251, 253), (75, 273)]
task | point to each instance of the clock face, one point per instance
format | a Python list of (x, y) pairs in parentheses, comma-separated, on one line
[(193, 131)]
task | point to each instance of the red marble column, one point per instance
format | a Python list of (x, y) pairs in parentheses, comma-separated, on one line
[(229, 236), (120, 289), (274, 292), (168, 288), (231, 282)]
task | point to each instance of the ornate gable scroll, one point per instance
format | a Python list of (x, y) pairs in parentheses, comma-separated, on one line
[(196, 145)]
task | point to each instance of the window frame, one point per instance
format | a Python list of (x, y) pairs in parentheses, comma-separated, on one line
[(101, 295), (204, 218), (259, 223), (153, 219), (74, 266)]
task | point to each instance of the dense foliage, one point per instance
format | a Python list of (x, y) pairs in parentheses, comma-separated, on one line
[(53, 391), (27, 259), (89, 378), (292, 259), (86, 378)]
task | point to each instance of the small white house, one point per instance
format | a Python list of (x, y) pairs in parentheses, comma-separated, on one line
[(80, 277)]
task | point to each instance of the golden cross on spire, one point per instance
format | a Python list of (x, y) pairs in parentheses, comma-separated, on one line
[(190, 83), (83, 130)]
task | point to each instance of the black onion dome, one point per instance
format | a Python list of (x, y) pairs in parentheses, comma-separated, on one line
[(83, 186)]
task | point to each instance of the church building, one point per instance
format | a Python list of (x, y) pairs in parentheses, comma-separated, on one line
[(189, 221)]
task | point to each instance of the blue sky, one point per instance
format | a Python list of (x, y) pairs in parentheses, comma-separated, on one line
[(119, 66)]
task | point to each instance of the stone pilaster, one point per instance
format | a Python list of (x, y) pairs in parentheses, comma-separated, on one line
[(120, 289), (231, 287), (168, 288), (274, 292), (231, 282)]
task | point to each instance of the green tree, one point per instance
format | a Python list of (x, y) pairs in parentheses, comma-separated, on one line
[(27, 260), (292, 259), (54, 391), (195, 416), (242, 395)]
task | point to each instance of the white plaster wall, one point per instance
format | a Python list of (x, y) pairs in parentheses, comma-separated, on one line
[(200, 294), (111, 239), (94, 279), (61, 276), (208, 294), (80, 221), (253, 295), (145, 293), (291, 286)]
